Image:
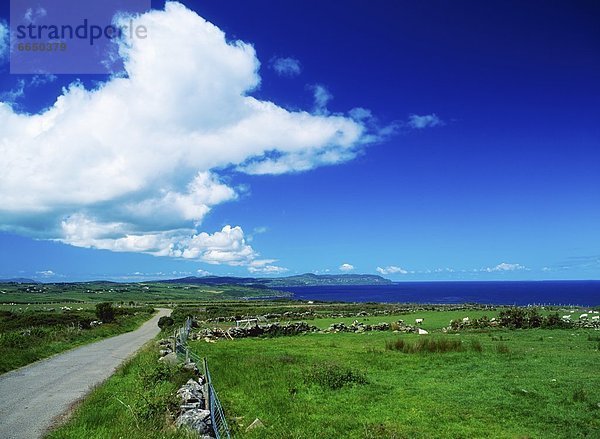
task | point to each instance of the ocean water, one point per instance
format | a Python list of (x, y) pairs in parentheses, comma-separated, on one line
[(585, 293)]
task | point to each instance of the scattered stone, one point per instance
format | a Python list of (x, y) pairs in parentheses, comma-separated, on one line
[(359, 327), (193, 412), (169, 359), (196, 419), (270, 329), (422, 331), (257, 423), (191, 366)]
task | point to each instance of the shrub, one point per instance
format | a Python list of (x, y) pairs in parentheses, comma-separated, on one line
[(105, 312), (553, 321), (165, 322), (481, 323), (333, 377), (515, 318)]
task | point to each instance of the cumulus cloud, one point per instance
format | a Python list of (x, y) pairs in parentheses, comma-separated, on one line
[(286, 66), (46, 273), (18, 92), (391, 269), (322, 96), (134, 164), (346, 267), (504, 266), (266, 269), (427, 121)]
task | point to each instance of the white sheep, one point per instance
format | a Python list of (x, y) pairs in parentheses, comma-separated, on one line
[(419, 321), (465, 320)]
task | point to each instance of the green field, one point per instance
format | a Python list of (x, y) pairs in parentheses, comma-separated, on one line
[(40, 320), (432, 320), (524, 383), (143, 293), (534, 383)]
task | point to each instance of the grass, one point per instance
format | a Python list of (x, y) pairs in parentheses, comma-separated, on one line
[(464, 385), (31, 335), (485, 383), (132, 404), (432, 320), (428, 345)]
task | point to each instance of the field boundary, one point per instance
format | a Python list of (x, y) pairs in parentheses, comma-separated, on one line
[(213, 404)]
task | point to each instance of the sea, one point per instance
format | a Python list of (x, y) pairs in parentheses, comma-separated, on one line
[(582, 293)]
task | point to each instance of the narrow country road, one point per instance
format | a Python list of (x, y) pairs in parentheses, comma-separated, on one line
[(33, 396)]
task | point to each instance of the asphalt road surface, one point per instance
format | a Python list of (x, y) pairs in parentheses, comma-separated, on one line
[(34, 397)]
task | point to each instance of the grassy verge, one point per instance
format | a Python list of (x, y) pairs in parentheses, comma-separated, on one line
[(504, 384), (28, 336), (132, 404)]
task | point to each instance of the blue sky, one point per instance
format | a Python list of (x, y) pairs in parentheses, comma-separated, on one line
[(419, 140)]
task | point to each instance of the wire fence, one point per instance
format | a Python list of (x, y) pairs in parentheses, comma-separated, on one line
[(217, 416)]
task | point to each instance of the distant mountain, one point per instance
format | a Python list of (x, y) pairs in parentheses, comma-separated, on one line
[(307, 279), (18, 280)]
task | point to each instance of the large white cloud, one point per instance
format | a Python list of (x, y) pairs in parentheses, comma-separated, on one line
[(134, 164)]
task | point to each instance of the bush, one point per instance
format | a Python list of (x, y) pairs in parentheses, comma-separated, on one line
[(105, 312), (333, 377), (525, 318), (553, 321), (165, 322), (515, 318)]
